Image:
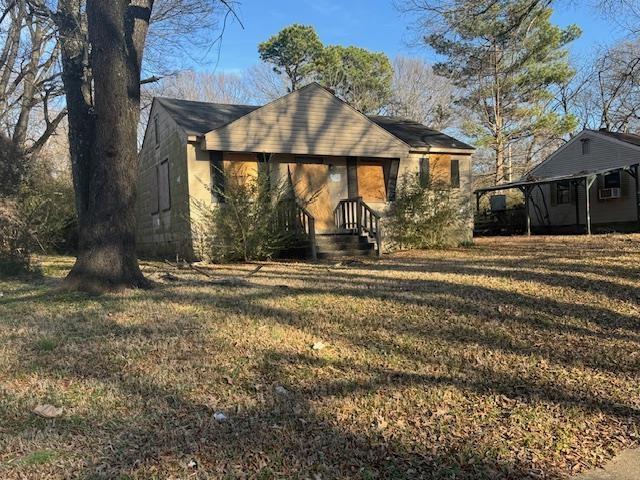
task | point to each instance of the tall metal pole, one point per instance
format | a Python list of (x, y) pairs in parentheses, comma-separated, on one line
[(588, 182), (575, 189), (527, 194)]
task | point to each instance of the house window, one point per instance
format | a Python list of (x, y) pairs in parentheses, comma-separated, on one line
[(424, 172), (563, 193), (156, 133), (455, 173), (612, 180), (586, 146), (164, 190)]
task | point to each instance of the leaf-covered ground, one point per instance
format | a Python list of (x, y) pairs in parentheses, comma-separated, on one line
[(515, 358)]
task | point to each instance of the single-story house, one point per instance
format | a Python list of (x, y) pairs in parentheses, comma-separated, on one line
[(590, 184), (349, 160)]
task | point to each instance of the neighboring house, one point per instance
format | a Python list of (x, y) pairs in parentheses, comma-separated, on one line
[(349, 161), (591, 183)]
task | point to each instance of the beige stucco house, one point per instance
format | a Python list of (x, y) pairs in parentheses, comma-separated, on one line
[(590, 184), (351, 163)]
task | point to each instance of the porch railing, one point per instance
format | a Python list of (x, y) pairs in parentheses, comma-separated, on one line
[(294, 218), (355, 215)]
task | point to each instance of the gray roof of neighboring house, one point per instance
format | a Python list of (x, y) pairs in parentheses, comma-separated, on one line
[(624, 137), (418, 135), (198, 118)]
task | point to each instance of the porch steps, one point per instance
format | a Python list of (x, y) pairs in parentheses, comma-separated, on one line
[(338, 245)]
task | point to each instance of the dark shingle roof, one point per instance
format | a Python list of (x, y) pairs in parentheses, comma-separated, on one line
[(625, 137), (198, 118), (418, 135)]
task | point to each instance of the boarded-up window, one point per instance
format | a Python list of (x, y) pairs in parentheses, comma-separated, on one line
[(455, 173), (238, 173), (371, 182), (440, 169), (164, 190)]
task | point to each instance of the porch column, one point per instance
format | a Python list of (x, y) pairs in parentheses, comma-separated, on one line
[(527, 194), (588, 181), (575, 189)]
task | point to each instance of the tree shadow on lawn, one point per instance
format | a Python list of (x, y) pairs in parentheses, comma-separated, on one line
[(286, 435), (295, 435)]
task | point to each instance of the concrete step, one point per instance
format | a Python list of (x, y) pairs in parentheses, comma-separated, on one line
[(325, 255)]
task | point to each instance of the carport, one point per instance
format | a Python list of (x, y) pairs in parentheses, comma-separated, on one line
[(585, 178)]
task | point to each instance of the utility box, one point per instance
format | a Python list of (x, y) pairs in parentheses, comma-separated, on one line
[(498, 203)]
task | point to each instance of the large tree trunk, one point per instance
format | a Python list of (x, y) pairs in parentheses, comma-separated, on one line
[(102, 131)]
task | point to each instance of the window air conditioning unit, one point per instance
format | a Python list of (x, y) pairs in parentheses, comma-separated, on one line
[(607, 193)]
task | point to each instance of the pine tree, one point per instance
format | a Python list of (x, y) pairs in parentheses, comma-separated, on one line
[(506, 59)]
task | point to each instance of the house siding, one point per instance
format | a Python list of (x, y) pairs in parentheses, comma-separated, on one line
[(603, 154), (309, 121), (163, 233)]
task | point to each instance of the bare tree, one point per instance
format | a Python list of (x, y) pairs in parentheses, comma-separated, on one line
[(102, 45), (419, 94), (263, 84), (30, 85)]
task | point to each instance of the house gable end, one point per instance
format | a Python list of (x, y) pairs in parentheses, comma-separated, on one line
[(604, 152), (309, 121)]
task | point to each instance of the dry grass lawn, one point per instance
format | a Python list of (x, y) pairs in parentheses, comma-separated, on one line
[(515, 358)]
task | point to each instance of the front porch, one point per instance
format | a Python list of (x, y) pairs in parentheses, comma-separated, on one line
[(338, 201)]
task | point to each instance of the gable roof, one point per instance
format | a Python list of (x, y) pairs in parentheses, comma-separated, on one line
[(566, 160), (623, 137), (416, 134), (198, 118), (309, 121)]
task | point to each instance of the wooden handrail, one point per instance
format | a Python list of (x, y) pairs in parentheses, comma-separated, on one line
[(295, 218), (354, 214)]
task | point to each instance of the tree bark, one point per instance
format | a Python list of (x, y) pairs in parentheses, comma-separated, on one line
[(102, 134)]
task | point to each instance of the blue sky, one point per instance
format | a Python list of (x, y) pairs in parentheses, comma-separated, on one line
[(371, 24)]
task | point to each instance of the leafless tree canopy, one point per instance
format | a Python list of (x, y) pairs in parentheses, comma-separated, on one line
[(30, 90), (419, 94)]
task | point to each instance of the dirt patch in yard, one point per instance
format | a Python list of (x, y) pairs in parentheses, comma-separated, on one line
[(515, 358)]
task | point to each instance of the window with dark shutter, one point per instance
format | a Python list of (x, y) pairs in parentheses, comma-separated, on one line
[(392, 180), (217, 177), (455, 173), (164, 189), (424, 172)]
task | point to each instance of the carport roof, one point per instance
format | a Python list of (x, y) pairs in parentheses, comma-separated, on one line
[(529, 182)]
